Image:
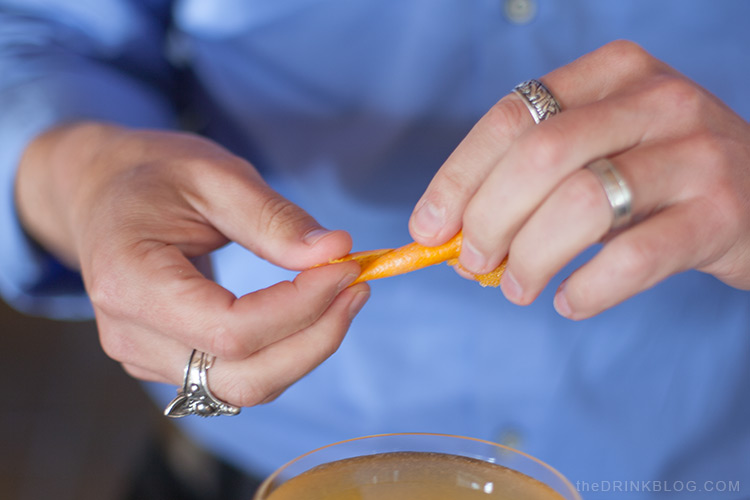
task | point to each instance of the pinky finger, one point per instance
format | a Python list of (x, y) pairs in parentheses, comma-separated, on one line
[(674, 240)]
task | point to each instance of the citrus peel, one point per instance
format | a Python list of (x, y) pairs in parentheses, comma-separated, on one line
[(383, 263)]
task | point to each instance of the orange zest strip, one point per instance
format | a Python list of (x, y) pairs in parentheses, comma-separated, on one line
[(376, 264), (364, 259)]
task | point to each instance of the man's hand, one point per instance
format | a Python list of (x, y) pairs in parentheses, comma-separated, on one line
[(134, 209), (519, 189)]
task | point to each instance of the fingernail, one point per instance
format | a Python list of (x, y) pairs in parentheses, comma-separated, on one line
[(346, 281), (561, 303), (429, 219), (510, 286), (357, 303), (471, 258), (314, 235), (463, 272)]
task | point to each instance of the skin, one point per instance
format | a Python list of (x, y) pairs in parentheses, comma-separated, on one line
[(684, 154), (135, 211)]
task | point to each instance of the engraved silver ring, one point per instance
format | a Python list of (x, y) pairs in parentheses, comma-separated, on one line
[(540, 101), (618, 192), (195, 398)]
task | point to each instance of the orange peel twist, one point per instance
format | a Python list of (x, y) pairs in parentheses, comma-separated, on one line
[(383, 263)]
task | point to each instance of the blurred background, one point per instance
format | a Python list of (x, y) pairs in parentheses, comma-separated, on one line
[(73, 425)]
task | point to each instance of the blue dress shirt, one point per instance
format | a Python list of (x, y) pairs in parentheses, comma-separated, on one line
[(348, 108)]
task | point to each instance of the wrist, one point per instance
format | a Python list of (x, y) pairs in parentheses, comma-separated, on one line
[(51, 180)]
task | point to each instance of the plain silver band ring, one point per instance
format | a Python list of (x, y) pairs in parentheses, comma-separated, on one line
[(540, 101), (618, 193), (195, 398)]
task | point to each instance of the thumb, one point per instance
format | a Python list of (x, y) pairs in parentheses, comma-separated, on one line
[(249, 212)]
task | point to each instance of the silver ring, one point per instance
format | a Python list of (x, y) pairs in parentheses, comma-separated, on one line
[(195, 398), (538, 99), (618, 193)]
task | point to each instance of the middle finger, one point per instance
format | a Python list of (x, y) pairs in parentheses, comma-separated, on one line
[(538, 162), (577, 214)]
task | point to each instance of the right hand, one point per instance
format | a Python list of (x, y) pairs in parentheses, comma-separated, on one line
[(132, 208)]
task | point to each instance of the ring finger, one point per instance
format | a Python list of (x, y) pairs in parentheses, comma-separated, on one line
[(578, 214)]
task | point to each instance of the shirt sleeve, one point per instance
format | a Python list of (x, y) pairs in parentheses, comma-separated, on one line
[(62, 61)]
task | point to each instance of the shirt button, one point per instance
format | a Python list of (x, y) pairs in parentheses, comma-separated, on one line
[(519, 11), (509, 437)]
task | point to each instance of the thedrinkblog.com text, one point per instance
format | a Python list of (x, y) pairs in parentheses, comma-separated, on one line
[(655, 486)]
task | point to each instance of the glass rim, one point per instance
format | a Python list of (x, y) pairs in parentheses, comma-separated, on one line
[(270, 479)]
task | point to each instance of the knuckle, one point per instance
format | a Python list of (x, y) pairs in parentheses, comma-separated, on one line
[(331, 342), (207, 173), (109, 283), (209, 168), (547, 149), (684, 100), (198, 167), (634, 259), (117, 347), (476, 223), (229, 344), (309, 307), (453, 180), (198, 177), (709, 152), (631, 56), (506, 117), (246, 393), (103, 292), (715, 176), (277, 212), (585, 194)]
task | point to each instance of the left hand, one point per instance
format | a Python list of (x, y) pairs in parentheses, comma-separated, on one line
[(519, 189)]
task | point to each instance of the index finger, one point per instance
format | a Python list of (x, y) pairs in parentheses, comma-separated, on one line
[(438, 214), (162, 291)]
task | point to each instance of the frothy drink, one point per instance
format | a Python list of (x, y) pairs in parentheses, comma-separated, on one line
[(412, 476)]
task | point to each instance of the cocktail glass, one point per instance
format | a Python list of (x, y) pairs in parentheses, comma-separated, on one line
[(414, 466)]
